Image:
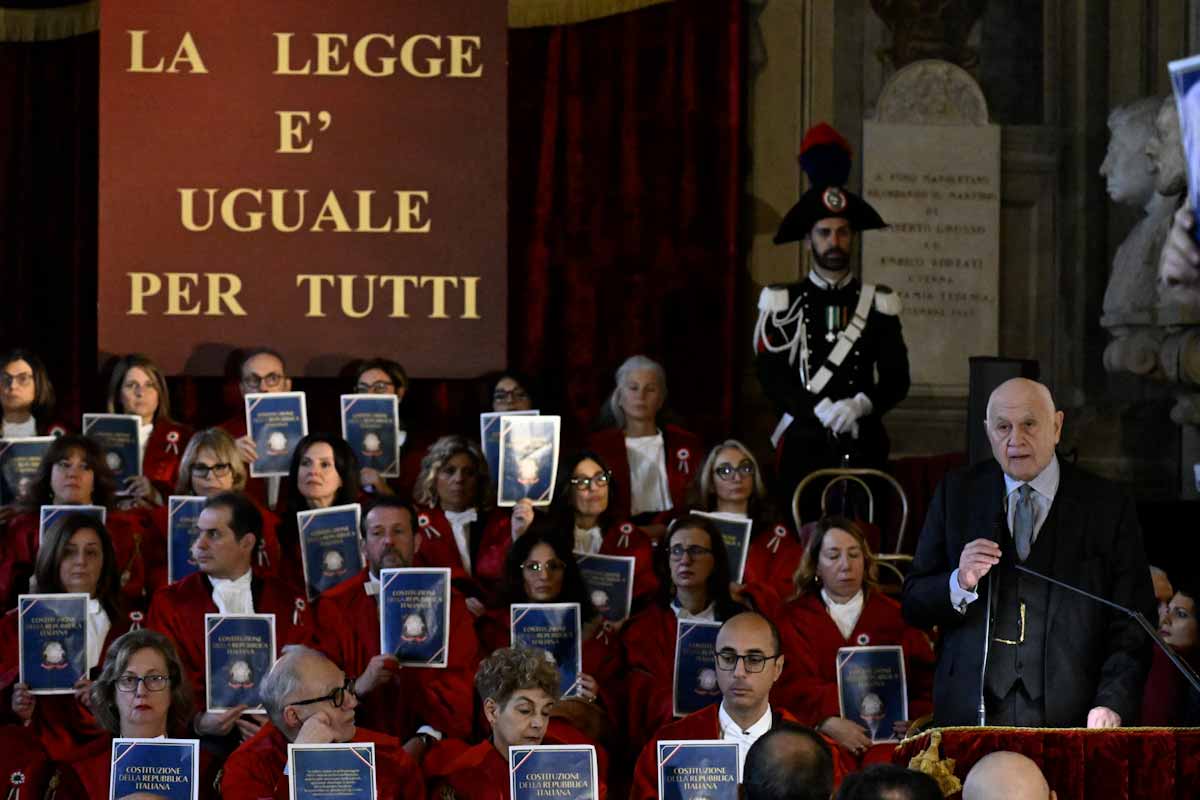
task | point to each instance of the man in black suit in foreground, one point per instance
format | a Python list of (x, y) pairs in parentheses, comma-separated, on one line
[(1055, 659)]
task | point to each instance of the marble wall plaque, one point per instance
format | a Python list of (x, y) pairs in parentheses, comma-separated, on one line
[(938, 188)]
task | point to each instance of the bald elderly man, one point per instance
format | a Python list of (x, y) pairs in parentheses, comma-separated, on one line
[(1055, 659), (1006, 776)]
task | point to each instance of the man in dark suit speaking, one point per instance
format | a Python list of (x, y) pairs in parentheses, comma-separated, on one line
[(1054, 658)]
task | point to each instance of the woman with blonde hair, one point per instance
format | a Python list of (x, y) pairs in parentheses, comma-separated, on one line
[(137, 387), (838, 604)]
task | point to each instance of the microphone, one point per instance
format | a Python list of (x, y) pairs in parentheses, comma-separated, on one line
[(1007, 556), (1188, 673)]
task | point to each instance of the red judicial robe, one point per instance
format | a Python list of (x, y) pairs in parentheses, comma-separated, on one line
[(178, 611), (648, 644), (772, 561), (25, 768), (682, 451), (627, 539), (703, 724), (347, 631), (810, 638), (255, 770), (133, 537), (164, 454), (88, 775), (265, 562), (60, 723), (437, 548)]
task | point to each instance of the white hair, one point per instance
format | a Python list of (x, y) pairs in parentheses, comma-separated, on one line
[(634, 364)]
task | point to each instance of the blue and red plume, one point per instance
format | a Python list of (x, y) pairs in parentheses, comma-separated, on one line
[(825, 156)]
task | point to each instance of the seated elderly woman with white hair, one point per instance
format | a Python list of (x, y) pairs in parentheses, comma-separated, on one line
[(654, 463)]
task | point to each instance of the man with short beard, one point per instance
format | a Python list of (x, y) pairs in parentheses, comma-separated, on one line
[(822, 342), (415, 705)]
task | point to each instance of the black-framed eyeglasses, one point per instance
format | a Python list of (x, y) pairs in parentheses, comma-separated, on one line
[(378, 387), (692, 551), (218, 470), (726, 472), (755, 662), (599, 481), (507, 396), (154, 683), (553, 566), (337, 696), (269, 381)]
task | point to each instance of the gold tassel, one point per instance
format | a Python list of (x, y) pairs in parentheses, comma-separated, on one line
[(541, 13), (49, 24), (940, 769)]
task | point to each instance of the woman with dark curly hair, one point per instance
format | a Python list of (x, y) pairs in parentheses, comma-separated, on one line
[(583, 507), (143, 693), (838, 604), (323, 473), (456, 525), (74, 473), (77, 557)]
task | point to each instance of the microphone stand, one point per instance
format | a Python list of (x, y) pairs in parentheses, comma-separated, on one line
[(1139, 617), (987, 642)]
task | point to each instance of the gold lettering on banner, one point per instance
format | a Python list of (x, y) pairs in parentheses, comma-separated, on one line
[(348, 284), (421, 55), (243, 210), (223, 289), (187, 54)]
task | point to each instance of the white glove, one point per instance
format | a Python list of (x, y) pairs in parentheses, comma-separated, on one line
[(823, 410), (845, 414)]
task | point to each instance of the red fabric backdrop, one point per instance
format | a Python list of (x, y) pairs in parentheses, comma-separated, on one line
[(625, 153)]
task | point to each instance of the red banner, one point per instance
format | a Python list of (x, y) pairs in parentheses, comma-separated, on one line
[(324, 178)]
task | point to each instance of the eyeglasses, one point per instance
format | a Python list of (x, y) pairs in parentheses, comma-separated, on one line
[(503, 396), (378, 387), (337, 696), (599, 481), (270, 381), (218, 470), (755, 662), (22, 380), (726, 472), (154, 683), (552, 566), (692, 551)]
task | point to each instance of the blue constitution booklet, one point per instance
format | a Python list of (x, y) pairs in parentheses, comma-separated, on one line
[(528, 459), (52, 641), (371, 426), (553, 772), (19, 462), (329, 546), (159, 768), (332, 771), (554, 628), (735, 531), (489, 436), (239, 651), (609, 581), (698, 769), (871, 689), (50, 515), (414, 615), (119, 436), (695, 681), (183, 512), (276, 422)]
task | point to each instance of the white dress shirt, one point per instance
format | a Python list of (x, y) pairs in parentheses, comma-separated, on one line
[(1045, 487), (233, 596), (98, 627), (144, 432), (845, 615), (20, 430), (648, 489), (588, 541), (707, 615), (459, 521), (745, 737)]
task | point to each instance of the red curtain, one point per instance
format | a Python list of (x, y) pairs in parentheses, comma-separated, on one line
[(624, 183), (624, 151)]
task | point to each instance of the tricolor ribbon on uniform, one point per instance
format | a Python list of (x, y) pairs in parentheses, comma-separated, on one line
[(172, 445), (780, 534), (424, 523), (300, 606), (623, 541), (683, 454)]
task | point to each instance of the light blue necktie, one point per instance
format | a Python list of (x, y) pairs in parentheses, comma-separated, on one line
[(1023, 521)]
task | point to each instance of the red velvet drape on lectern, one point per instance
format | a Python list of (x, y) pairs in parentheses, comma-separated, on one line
[(624, 148)]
